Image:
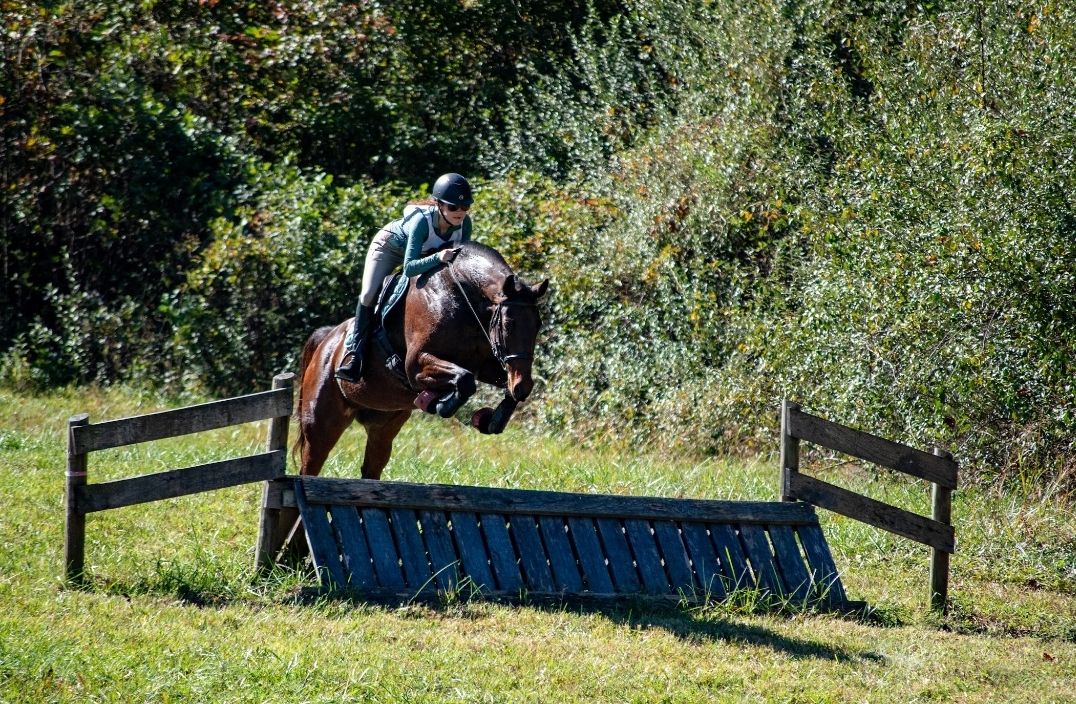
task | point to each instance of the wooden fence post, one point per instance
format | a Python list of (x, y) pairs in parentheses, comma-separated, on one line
[(271, 525), (790, 450), (942, 501), (75, 528)]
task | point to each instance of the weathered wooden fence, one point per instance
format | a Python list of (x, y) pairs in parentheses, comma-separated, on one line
[(395, 541), (399, 540), (84, 438), (938, 468)]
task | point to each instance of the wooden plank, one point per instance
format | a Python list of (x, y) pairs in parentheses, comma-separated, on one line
[(621, 562), (647, 558), (183, 421), (382, 548), (882, 515), (759, 553), (827, 581), (416, 567), (675, 557), (273, 528), (704, 560), (790, 448), (323, 548), (472, 550), (502, 555), (532, 557), (790, 563), (561, 559), (353, 549), (942, 512), (271, 534), (938, 469), (584, 535), (731, 553), (369, 492), (181, 482), (443, 557), (75, 523)]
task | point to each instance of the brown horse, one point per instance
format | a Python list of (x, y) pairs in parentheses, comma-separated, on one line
[(466, 321)]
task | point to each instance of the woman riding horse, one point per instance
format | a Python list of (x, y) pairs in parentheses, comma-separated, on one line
[(426, 226), (461, 319)]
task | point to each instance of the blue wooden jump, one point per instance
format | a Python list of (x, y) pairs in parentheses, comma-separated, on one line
[(386, 540)]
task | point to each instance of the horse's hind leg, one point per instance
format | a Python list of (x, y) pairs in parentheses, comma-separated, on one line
[(322, 429), (381, 430)]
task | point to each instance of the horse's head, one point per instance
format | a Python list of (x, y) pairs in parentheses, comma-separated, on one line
[(514, 332)]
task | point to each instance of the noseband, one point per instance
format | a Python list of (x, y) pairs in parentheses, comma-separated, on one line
[(493, 334), (496, 339)]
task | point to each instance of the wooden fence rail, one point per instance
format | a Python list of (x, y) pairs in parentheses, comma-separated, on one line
[(938, 468), (83, 498)]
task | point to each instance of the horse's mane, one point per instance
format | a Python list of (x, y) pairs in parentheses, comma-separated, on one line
[(479, 250), (482, 267)]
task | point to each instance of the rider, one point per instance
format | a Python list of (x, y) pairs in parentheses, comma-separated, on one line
[(426, 226)]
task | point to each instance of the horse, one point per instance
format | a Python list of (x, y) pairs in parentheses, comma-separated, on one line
[(470, 320)]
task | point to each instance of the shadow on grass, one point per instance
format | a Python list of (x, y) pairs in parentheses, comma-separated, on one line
[(966, 617), (724, 621), (735, 631), (712, 623)]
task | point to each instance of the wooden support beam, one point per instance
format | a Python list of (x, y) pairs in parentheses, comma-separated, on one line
[(942, 512), (271, 529), (790, 449), (368, 492), (75, 526)]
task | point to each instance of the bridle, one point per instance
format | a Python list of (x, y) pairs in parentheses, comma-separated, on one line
[(493, 334)]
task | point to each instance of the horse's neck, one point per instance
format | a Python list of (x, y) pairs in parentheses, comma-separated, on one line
[(484, 284)]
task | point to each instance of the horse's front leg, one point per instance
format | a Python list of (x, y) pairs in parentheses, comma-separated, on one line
[(445, 386), (491, 421)]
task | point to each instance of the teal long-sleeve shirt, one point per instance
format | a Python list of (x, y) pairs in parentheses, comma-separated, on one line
[(415, 235)]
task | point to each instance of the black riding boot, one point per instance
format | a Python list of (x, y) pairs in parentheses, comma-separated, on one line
[(350, 368)]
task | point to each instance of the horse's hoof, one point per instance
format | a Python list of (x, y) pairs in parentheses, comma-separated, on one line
[(447, 406), (481, 419), (425, 401)]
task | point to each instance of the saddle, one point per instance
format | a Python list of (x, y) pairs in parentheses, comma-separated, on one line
[(386, 301)]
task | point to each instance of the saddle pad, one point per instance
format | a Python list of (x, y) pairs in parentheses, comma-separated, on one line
[(388, 298)]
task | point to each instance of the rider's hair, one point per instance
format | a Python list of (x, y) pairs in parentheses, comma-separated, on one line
[(429, 200)]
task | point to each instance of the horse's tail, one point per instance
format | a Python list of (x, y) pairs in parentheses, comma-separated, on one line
[(309, 347)]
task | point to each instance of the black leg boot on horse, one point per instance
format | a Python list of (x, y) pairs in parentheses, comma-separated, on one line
[(350, 368)]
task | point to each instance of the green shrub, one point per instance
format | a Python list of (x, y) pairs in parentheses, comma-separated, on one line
[(862, 209), (291, 262), (126, 130)]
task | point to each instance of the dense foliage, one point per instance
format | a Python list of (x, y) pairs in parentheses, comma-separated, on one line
[(863, 206)]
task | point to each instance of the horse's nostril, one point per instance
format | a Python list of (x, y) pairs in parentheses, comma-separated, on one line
[(520, 388)]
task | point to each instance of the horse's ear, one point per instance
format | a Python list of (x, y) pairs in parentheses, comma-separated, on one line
[(540, 289), (510, 286)]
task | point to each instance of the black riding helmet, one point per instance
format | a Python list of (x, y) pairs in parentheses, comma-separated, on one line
[(453, 189)]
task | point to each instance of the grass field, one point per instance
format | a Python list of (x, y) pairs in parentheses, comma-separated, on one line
[(174, 613)]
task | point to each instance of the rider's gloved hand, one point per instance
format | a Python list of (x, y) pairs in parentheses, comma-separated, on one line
[(448, 255)]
